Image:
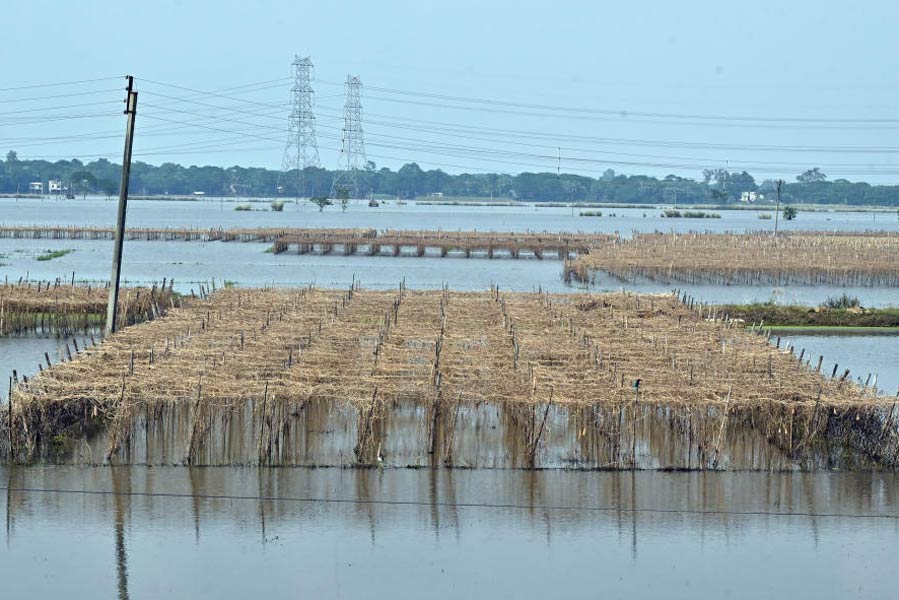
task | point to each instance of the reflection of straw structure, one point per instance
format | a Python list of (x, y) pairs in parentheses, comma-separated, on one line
[(443, 352), (54, 308), (865, 259)]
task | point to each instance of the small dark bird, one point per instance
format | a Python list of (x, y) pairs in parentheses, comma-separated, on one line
[(636, 385)]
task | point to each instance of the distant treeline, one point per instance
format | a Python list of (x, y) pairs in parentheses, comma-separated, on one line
[(410, 181)]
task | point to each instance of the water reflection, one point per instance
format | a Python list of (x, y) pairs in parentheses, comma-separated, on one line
[(121, 487), (373, 533)]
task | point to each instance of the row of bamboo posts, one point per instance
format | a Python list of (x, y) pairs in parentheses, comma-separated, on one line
[(467, 244), (803, 258), (184, 234), (344, 240), (411, 378)]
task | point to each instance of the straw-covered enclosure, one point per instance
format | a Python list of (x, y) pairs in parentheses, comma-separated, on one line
[(805, 258), (56, 308), (411, 378)]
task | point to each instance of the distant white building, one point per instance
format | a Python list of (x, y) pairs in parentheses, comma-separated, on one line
[(54, 186), (751, 197), (36, 187), (435, 195)]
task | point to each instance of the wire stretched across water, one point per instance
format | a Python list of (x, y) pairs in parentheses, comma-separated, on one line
[(415, 503)]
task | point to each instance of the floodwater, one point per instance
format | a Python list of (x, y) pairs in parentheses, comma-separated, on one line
[(334, 533), (529, 217), (863, 355), (248, 265), (24, 354), (232, 532)]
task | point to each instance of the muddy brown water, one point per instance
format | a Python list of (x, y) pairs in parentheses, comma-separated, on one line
[(139, 532)]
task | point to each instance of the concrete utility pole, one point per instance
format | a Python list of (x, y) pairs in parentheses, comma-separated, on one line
[(112, 307), (777, 210)]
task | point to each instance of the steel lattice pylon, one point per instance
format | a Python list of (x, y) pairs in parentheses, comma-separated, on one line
[(302, 149), (352, 152)]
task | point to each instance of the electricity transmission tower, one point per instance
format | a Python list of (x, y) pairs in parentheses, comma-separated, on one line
[(352, 152), (302, 148)]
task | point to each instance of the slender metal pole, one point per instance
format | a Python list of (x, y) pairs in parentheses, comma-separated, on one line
[(112, 307), (777, 209)]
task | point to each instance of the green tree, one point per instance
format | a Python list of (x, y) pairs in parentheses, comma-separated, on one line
[(109, 187), (812, 176), (321, 202), (718, 195), (790, 213), (343, 194), (83, 182)]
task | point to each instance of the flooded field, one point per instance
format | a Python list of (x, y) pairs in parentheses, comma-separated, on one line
[(494, 531), (877, 355), (332, 533), (249, 265), (527, 217)]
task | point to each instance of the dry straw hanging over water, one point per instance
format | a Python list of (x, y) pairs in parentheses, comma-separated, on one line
[(596, 380), (805, 258)]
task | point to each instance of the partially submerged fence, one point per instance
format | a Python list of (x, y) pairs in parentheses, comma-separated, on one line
[(806, 258), (359, 377), (57, 308), (439, 243)]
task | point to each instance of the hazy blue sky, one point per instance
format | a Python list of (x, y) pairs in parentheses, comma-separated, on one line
[(804, 59)]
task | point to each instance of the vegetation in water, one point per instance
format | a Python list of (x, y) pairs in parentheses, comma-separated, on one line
[(244, 206), (51, 254), (343, 194), (591, 213), (321, 202), (278, 205), (689, 214), (790, 213), (820, 316), (765, 216), (843, 301)]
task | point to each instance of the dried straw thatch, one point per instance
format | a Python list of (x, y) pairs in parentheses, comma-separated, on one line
[(535, 358), (60, 309), (862, 259)]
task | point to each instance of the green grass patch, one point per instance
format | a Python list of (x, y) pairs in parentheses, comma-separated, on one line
[(51, 254), (834, 329), (773, 315), (591, 213)]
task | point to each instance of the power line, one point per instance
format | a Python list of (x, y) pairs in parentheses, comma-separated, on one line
[(57, 96), (632, 113), (624, 116), (56, 84), (444, 504), (54, 108)]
